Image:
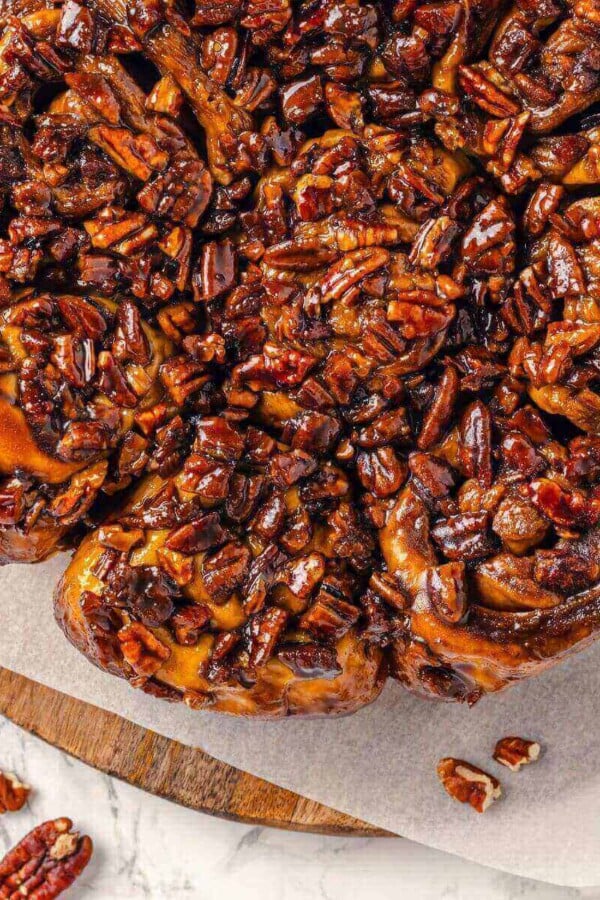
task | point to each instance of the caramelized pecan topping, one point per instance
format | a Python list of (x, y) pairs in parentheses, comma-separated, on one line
[(319, 284)]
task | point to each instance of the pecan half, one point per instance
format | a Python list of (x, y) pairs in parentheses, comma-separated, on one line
[(514, 752)]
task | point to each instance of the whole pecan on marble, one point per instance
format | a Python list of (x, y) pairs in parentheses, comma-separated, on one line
[(45, 862)]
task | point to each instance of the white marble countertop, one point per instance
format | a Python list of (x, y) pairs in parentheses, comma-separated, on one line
[(149, 848)]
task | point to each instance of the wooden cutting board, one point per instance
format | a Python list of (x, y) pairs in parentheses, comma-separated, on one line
[(164, 767)]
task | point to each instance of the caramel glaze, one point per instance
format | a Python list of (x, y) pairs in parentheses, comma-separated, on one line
[(19, 450)]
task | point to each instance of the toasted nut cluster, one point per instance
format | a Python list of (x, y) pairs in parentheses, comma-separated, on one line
[(13, 793), (468, 784), (514, 752), (319, 283), (45, 863)]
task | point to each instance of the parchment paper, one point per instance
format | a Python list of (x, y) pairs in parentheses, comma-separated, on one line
[(379, 764)]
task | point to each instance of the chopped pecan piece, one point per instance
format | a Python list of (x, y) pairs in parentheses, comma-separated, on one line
[(188, 622), (142, 650), (224, 571), (330, 616), (514, 752), (310, 661), (265, 631), (468, 784), (198, 535), (447, 585)]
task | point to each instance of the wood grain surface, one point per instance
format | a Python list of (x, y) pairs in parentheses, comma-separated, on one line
[(164, 767)]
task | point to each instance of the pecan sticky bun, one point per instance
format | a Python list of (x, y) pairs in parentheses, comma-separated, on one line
[(76, 375), (235, 584), (316, 285)]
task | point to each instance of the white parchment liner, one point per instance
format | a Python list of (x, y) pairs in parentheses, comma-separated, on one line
[(379, 764)]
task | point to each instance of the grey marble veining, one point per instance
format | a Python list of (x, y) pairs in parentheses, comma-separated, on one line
[(150, 848)]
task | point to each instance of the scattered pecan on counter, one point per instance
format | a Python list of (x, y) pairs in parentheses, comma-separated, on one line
[(318, 283), (45, 862), (13, 793), (514, 752)]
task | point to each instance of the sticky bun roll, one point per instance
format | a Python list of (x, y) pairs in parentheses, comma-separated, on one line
[(234, 585), (493, 544), (75, 373), (493, 539)]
